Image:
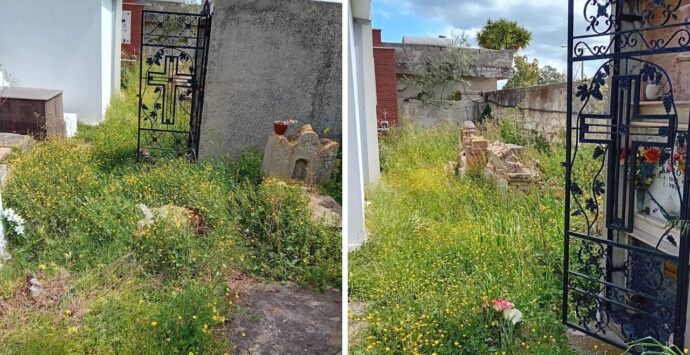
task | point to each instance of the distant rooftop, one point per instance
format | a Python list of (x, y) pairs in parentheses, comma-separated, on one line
[(429, 41)]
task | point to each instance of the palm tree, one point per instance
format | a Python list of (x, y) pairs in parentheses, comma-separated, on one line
[(503, 34)]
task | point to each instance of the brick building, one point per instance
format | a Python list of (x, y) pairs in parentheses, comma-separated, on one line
[(131, 29), (386, 83)]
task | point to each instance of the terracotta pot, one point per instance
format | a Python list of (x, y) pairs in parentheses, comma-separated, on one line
[(280, 128)]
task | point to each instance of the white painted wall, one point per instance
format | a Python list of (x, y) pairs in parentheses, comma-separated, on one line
[(361, 138), (354, 198), (63, 44), (371, 165)]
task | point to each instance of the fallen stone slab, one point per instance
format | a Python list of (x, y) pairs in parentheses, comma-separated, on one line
[(326, 209), (285, 319)]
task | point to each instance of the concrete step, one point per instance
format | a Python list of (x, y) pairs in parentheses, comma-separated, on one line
[(8, 142), (13, 140)]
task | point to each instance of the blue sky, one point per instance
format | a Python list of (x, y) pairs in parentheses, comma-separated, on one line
[(396, 23), (545, 19)]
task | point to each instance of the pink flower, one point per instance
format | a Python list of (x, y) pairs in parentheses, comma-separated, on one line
[(502, 304)]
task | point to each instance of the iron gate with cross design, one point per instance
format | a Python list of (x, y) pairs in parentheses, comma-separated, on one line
[(174, 55), (626, 203)]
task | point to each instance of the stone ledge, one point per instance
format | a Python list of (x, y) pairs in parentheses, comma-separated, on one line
[(13, 140), (9, 142)]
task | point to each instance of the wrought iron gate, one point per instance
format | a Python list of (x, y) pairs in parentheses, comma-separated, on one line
[(174, 54), (626, 240)]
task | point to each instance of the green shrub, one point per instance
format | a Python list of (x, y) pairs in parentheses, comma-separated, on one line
[(167, 247), (334, 187), (276, 221), (511, 132), (185, 323), (486, 114), (247, 167), (456, 96)]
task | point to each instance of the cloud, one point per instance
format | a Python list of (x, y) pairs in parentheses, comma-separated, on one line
[(547, 20)]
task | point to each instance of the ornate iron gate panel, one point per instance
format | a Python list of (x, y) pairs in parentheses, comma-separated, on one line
[(174, 54), (626, 247)]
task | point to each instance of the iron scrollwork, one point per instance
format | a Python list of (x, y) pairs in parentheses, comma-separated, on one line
[(619, 285), (173, 62)]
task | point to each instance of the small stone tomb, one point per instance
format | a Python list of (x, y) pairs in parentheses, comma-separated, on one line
[(36, 112), (304, 157)]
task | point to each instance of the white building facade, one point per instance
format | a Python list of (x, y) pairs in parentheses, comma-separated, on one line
[(72, 46)]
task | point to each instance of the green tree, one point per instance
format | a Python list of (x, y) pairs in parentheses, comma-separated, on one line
[(525, 74), (551, 75), (503, 34)]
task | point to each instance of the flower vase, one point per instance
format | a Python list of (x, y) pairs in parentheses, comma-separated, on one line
[(651, 91)]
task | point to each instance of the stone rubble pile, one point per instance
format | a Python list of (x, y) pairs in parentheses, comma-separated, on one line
[(498, 161)]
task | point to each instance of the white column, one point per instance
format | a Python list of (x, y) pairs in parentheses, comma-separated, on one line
[(354, 199), (368, 125), (117, 43)]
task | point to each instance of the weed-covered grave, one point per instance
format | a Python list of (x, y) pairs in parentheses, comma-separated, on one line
[(113, 272), (455, 264)]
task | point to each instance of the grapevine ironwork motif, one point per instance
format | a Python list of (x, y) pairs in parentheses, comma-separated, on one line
[(625, 281), (174, 54)]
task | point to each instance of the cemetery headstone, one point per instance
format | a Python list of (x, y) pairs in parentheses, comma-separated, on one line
[(304, 157)]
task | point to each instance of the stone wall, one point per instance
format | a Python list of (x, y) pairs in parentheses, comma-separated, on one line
[(428, 115), (271, 60), (490, 66), (489, 63), (541, 109)]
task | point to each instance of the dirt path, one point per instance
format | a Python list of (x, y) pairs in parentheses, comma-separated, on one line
[(586, 345), (285, 319)]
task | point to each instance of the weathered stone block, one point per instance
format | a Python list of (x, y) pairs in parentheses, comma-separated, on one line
[(480, 143), (304, 157)]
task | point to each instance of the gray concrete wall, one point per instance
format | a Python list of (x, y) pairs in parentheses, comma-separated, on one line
[(431, 114), (271, 60), (490, 66), (489, 63), (542, 109)]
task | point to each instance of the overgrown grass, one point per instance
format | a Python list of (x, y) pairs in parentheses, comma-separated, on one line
[(114, 288), (440, 244)]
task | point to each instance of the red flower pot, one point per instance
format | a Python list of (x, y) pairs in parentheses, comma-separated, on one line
[(280, 128)]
